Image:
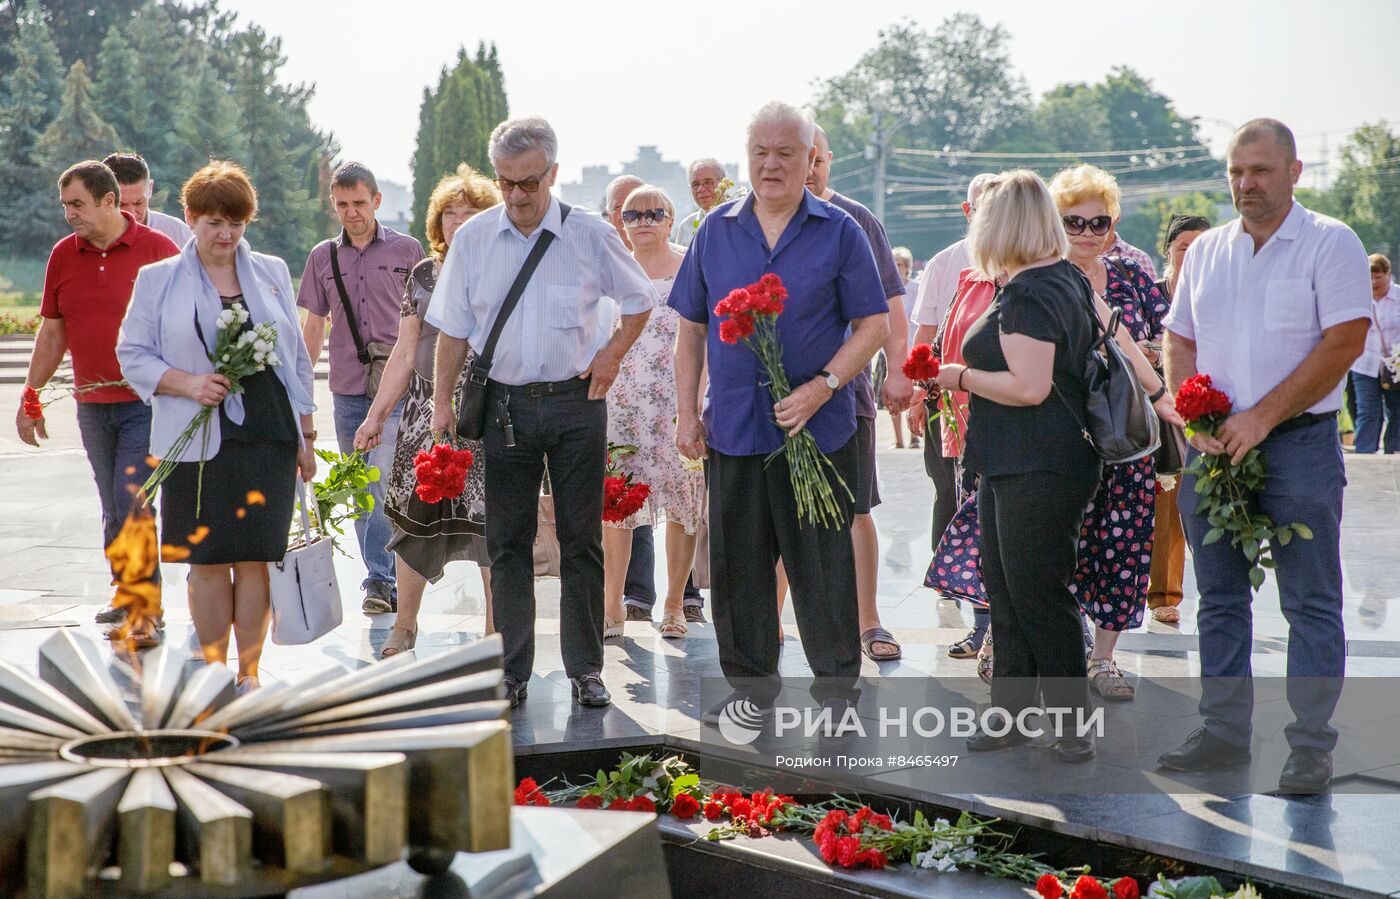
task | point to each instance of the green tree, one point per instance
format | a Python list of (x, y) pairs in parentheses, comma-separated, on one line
[(78, 132), (455, 121), (119, 90), (33, 89), (78, 26), (210, 123), (163, 65), (1367, 191)]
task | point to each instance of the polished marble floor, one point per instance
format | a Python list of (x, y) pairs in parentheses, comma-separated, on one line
[(52, 574)]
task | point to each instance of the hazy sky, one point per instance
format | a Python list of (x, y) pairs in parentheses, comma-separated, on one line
[(685, 76)]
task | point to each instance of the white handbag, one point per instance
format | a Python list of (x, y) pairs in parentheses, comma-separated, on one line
[(305, 595)]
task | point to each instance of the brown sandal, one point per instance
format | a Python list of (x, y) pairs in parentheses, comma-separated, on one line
[(1108, 681), (401, 639), (880, 635)]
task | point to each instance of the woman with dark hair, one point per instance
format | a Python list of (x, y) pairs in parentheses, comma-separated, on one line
[(426, 536), (229, 516), (1168, 539)]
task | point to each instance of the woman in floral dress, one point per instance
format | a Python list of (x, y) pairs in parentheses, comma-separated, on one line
[(642, 414), (426, 536), (1115, 542)]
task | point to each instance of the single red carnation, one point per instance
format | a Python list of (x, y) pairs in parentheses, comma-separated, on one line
[(684, 806), (871, 858), (740, 807), (1125, 888), (619, 805), (828, 849), (1049, 887), (525, 791), (591, 800), (921, 365), (713, 809), (1197, 400), (1087, 887), (846, 850), (642, 804), (735, 329)]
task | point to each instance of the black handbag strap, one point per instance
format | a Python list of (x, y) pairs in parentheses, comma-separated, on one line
[(482, 366), (360, 349), (1102, 336)]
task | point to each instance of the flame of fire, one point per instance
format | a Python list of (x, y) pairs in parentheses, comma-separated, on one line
[(134, 555)]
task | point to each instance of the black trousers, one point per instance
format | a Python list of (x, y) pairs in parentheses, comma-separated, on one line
[(941, 470), (753, 523), (569, 433), (1030, 533)]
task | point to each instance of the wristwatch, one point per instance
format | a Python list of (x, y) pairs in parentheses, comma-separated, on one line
[(309, 435), (832, 382)]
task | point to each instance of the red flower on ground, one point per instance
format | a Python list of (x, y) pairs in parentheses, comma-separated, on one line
[(1087, 887), (846, 850), (441, 472), (1049, 887), (1125, 888), (1197, 400), (713, 809), (620, 805), (528, 793), (921, 365), (592, 800), (684, 806), (740, 807)]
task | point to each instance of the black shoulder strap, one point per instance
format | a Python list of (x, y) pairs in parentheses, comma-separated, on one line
[(360, 349), (482, 366)]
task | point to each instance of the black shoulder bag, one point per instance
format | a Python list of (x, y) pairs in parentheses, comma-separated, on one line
[(1170, 456), (1117, 418), (373, 356), (471, 415)]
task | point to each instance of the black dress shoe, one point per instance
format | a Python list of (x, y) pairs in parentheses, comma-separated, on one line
[(1075, 749), (589, 691), (747, 711), (109, 615), (1306, 771), (985, 742), (1202, 751), (515, 691)]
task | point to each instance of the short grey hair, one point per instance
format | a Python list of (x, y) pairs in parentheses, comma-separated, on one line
[(515, 136), (709, 162), (777, 112), (977, 185), (632, 182)]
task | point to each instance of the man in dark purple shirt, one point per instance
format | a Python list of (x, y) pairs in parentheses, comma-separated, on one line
[(877, 643), (375, 262), (834, 322)]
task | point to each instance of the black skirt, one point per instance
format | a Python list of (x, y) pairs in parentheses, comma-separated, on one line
[(245, 511)]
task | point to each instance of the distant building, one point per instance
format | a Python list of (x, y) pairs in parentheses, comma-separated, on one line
[(668, 174), (396, 209)]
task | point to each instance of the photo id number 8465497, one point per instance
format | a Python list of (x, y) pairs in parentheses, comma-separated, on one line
[(921, 761)]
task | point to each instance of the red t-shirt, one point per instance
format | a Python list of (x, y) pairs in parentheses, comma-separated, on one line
[(90, 289)]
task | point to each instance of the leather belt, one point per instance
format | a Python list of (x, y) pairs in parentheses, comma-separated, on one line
[(1302, 421), (544, 388)]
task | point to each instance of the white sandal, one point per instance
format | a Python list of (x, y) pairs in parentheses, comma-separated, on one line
[(673, 627)]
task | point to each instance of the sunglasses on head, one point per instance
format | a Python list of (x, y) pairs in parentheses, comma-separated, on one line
[(1098, 225), (648, 216)]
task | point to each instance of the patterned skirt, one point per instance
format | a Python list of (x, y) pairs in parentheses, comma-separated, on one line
[(429, 535)]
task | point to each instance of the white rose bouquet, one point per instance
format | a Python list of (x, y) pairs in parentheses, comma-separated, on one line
[(237, 354)]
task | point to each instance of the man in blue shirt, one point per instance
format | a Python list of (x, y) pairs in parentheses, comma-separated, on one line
[(835, 320)]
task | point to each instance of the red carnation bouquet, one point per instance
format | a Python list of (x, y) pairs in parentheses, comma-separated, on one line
[(441, 472), (751, 317), (1227, 490), (622, 497)]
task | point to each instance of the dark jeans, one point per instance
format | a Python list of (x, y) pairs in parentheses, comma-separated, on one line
[(942, 470), (1030, 536), (569, 433), (753, 523), (640, 590), (1306, 477), (117, 440), (1375, 406)]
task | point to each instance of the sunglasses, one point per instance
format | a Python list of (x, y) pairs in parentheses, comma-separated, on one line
[(529, 185), (648, 216), (1098, 225)]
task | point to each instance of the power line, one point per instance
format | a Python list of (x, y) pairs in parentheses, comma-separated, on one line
[(1091, 154)]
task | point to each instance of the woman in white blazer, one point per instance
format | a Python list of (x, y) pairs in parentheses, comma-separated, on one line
[(261, 437)]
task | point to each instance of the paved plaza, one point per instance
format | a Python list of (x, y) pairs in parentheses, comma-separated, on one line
[(52, 574)]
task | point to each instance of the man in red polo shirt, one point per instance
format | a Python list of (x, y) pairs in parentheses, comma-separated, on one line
[(86, 291)]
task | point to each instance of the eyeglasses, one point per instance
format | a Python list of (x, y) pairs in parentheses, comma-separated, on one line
[(1098, 225), (529, 185), (648, 216)]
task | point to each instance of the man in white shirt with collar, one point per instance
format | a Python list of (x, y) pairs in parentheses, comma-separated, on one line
[(137, 188), (1377, 394), (558, 355), (1274, 307)]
